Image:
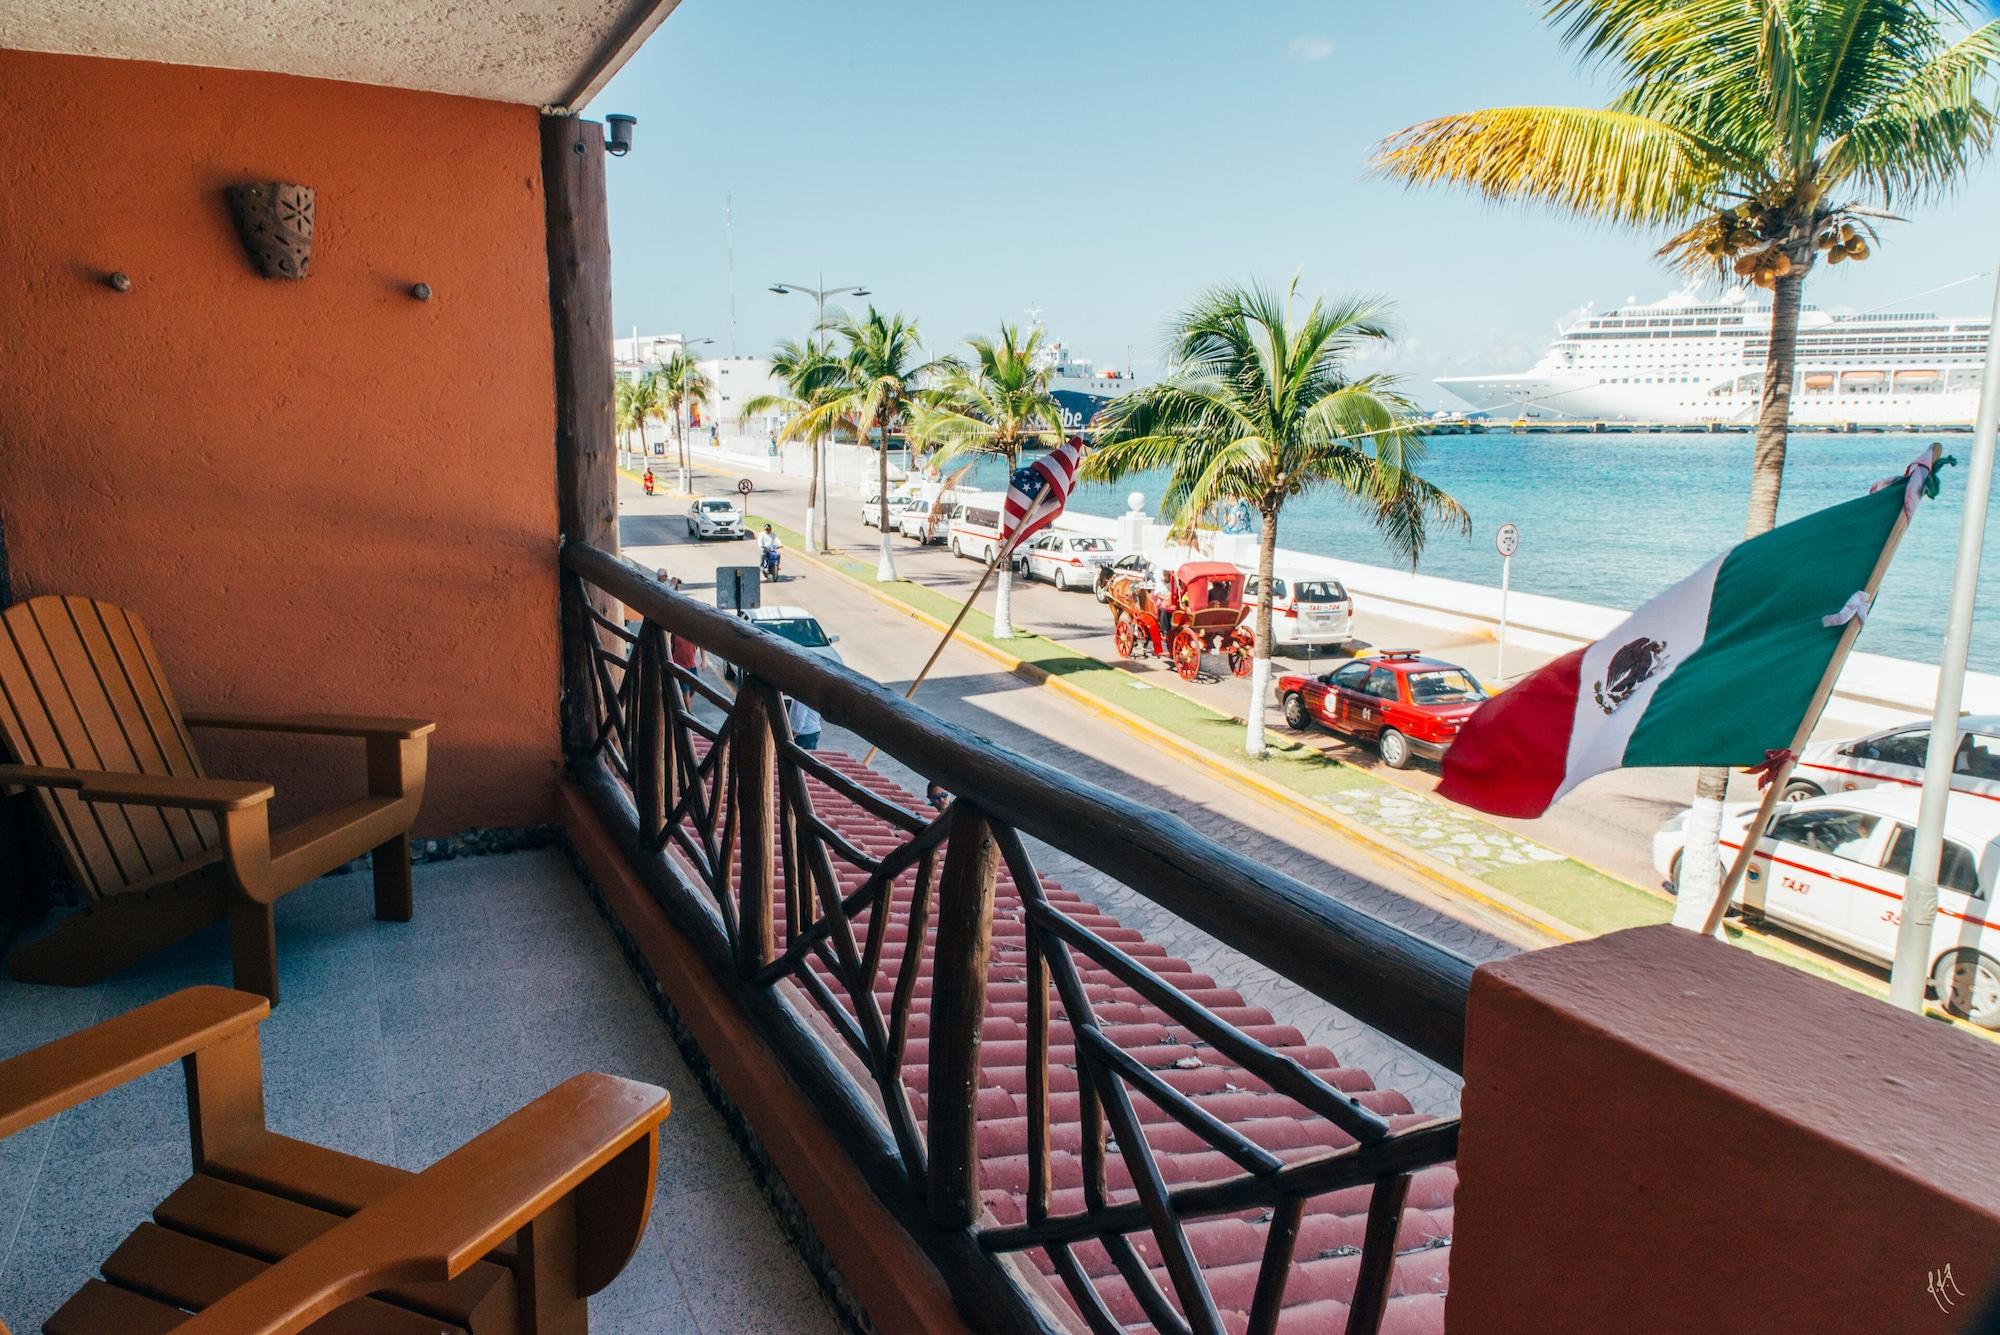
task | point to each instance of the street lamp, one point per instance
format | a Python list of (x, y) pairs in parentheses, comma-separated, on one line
[(815, 512)]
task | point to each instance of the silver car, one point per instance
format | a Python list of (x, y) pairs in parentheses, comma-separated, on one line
[(714, 517), (800, 627), (871, 509)]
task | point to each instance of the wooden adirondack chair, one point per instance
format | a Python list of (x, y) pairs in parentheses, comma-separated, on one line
[(508, 1235), (160, 848)]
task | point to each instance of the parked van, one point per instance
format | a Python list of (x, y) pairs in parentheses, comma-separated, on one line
[(1309, 611), (975, 530), (1832, 868)]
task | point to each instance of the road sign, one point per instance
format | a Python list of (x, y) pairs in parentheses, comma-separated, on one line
[(1508, 540), (744, 486), (738, 588)]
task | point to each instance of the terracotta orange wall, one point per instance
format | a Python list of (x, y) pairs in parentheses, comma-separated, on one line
[(1664, 1134), (320, 495)]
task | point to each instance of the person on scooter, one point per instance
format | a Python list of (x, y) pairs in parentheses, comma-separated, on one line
[(647, 481), (768, 547)]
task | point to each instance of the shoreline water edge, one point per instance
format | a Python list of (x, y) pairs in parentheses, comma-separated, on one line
[(1621, 533)]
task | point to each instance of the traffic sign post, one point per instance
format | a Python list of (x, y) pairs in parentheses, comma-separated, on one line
[(738, 588), (1507, 541)]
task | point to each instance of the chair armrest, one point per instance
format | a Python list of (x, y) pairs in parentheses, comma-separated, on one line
[(459, 1209), (324, 725), (43, 1081), (150, 790)]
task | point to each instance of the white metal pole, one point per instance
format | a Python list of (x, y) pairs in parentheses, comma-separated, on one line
[(1500, 658), (1913, 933)]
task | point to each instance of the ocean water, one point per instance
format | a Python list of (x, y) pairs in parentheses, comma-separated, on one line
[(1613, 519)]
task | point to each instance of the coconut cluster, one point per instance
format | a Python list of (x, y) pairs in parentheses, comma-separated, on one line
[(1842, 243)]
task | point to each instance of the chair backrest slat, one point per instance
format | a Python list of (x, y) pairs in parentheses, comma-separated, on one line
[(81, 688), (146, 717)]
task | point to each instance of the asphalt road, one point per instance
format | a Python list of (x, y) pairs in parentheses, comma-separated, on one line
[(1608, 821), (970, 689)]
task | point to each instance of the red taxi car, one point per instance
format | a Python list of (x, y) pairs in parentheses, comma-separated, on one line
[(1408, 705)]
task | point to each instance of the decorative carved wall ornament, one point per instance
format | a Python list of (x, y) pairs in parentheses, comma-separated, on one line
[(275, 220)]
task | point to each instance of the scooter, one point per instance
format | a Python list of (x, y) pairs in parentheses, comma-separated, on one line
[(769, 560), (647, 482)]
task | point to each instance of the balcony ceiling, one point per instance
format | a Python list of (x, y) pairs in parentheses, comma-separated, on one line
[(538, 52)]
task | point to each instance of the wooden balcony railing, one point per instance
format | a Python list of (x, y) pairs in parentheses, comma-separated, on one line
[(821, 944)]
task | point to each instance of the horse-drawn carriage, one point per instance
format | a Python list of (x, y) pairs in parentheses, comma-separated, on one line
[(1195, 608)]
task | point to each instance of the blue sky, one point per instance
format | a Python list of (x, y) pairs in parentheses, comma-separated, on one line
[(1106, 159)]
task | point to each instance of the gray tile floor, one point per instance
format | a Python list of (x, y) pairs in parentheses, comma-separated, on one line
[(400, 1042)]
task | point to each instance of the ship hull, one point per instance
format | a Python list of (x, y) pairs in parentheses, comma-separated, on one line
[(1534, 397)]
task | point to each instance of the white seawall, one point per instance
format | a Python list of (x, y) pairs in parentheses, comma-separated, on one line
[(1874, 691)]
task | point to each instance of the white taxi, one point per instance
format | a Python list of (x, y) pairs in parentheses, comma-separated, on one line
[(1306, 612), (1066, 560), (1896, 756), (1832, 868)]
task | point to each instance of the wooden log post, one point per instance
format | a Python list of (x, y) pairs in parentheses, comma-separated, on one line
[(958, 1005), (753, 778), (649, 732), (579, 247)]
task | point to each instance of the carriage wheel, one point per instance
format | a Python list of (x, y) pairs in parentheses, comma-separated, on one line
[(1239, 661), (1124, 635), (1187, 655)]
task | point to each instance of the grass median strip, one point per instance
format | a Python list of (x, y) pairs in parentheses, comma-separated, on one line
[(1586, 900), (1556, 886)]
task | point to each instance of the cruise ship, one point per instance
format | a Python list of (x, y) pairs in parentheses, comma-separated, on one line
[(1686, 359)]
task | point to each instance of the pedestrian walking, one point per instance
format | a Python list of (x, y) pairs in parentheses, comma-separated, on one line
[(684, 652), (805, 721)]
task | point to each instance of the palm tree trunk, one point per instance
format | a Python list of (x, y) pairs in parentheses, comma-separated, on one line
[(818, 535), (812, 495), (1260, 662), (885, 568), (681, 445), (1701, 862), (1774, 416), (1003, 588)]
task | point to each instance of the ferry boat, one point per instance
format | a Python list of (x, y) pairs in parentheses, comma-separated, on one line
[(1688, 360), (1080, 387)]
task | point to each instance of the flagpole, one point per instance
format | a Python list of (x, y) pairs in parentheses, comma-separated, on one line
[(1909, 972), (1782, 771), (1005, 553)]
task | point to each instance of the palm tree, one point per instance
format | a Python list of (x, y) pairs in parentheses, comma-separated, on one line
[(807, 371), (680, 385), (1759, 135), (636, 402), (1262, 407), (994, 406), (879, 375)]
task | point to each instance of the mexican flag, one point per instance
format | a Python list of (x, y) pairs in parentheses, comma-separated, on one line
[(1718, 670)]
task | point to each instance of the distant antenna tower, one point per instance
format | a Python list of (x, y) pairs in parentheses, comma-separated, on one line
[(729, 237), (1034, 314)]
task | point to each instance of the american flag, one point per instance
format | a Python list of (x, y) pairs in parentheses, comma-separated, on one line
[(1037, 492)]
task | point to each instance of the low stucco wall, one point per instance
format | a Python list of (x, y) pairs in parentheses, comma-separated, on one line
[(1665, 1134), (320, 495)]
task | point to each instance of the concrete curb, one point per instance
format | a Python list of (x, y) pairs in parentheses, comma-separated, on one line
[(1394, 851)]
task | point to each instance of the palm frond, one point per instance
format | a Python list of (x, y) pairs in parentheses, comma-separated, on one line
[(1263, 406), (1929, 130), (1611, 165)]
